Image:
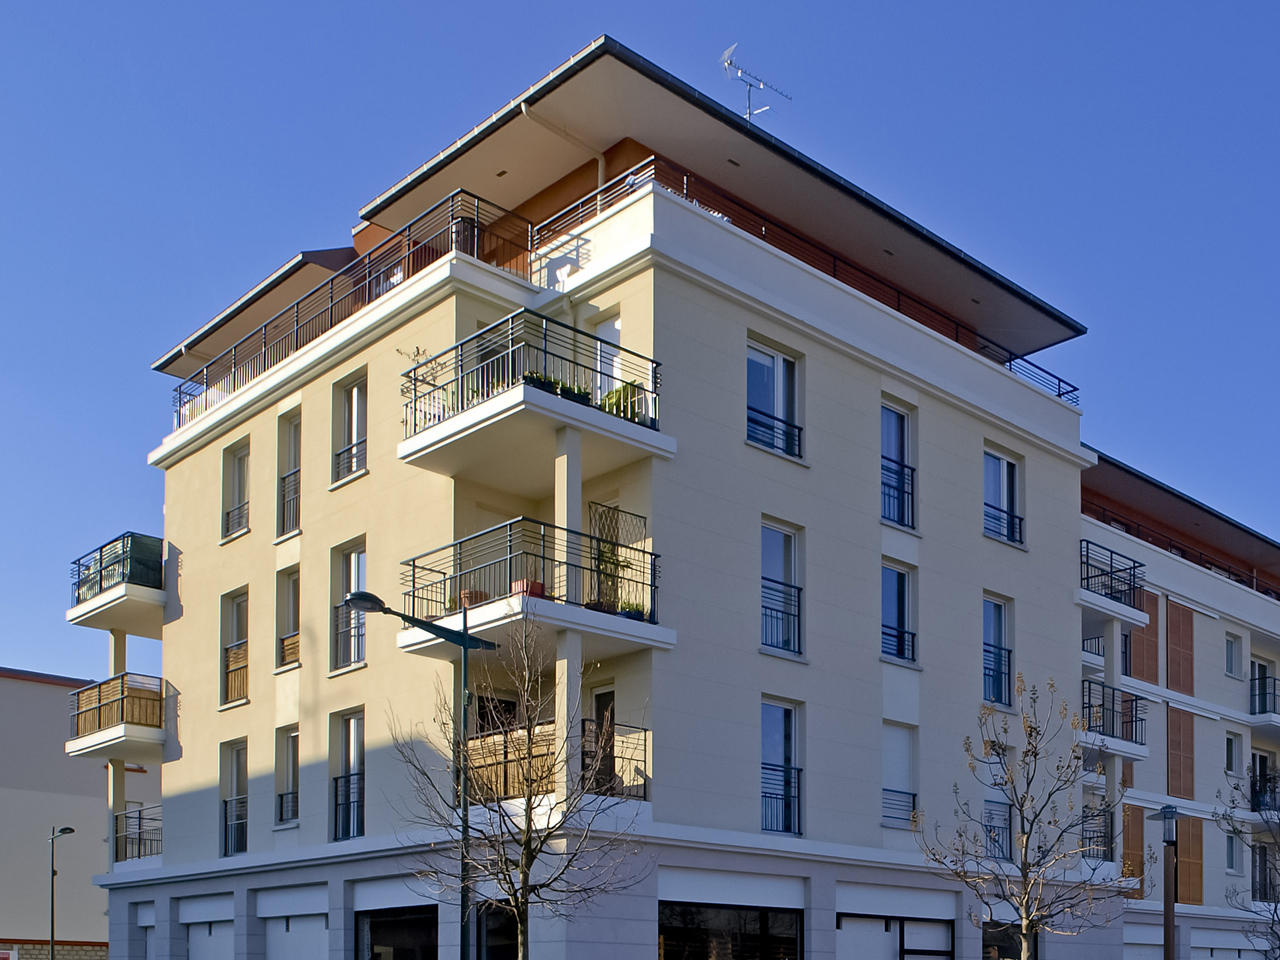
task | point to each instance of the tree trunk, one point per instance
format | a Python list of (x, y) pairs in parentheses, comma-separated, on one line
[(1026, 941), (522, 931)]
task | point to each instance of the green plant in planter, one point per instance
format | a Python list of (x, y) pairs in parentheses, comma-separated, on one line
[(630, 610), (626, 401), (539, 381), (571, 392)]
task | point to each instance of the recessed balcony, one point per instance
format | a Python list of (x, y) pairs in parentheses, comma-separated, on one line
[(119, 719), (488, 408), (120, 586), (1112, 720), (1111, 575), (139, 833), (1264, 703)]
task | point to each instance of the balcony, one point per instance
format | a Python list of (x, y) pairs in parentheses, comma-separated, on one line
[(897, 492), (898, 808), (1001, 524), (1111, 575), (1097, 836), (1263, 702), (563, 579), (1094, 646), (1265, 885), (773, 433), (1264, 793), (496, 399), (780, 798), (779, 615), (1115, 715), (120, 586), (460, 223), (235, 826), (119, 719), (348, 806), (615, 759), (138, 833), (996, 678)]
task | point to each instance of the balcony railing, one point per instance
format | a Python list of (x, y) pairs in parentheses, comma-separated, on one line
[(289, 649), (503, 764), (235, 519), (460, 223), (538, 560), (732, 211), (290, 502), (348, 636), (350, 459), (1264, 793), (1262, 696), (773, 432), (996, 685), (287, 806), (125, 698), (129, 558), (898, 807), (1001, 524), (615, 758), (235, 676), (235, 826), (997, 834), (1113, 713), (348, 806), (1264, 886), (779, 615), (897, 492), (1097, 836), (896, 642), (529, 349), (139, 833), (1094, 645), (1111, 574), (779, 798)]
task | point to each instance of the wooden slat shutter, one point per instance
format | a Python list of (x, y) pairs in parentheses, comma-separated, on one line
[(1181, 649), (1190, 861), (1134, 863), (1144, 643), (1126, 774), (1181, 754)]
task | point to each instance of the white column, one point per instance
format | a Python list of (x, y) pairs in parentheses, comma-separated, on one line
[(115, 803), (568, 708), (116, 653), (568, 506), (1112, 765)]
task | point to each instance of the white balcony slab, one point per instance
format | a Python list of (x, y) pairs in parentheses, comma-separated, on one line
[(131, 742), (137, 610), (1114, 745), (1266, 722), (1111, 608)]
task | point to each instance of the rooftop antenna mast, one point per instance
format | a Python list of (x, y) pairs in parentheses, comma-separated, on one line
[(735, 70)]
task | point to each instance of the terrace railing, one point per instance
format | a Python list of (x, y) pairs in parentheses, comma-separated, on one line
[(460, 223), (503, 764), (1113, 713), (287, 806), (129, 558), (1111, 575), (290, 649), (615, 759), (1097, 836), (139, 833), (348, 636), (1262, 696), (1264, 792), (350, 459), (529, 349), (1094, 645), (773, 432), (125, 698)]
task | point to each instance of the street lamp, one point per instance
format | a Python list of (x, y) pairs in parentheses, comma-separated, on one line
[(1168, 815), (55, 833), (365, 602)]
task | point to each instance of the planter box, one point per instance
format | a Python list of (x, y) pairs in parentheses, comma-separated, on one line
[(577, 396), (542, 383), (632, 614), (602, 607), (471, 598), (528, 588)]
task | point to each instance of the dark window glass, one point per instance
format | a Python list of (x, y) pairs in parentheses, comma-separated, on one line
[(693, 931)]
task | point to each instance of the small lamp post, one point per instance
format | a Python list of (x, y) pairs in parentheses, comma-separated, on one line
[(1168, 815), (366, 602), (55, 833)]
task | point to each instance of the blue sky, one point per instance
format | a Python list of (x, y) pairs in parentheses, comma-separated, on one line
[(156, 160)]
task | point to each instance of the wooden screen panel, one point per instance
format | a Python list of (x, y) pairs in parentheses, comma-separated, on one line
[(1134, 863), (1182, 754), (1126, 774), (1190, 861), (1144, 643), (1180, 649)]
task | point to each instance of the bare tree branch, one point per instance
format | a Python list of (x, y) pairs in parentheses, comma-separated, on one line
[(1251, 814)]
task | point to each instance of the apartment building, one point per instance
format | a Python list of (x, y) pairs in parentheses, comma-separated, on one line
[(768, 466)]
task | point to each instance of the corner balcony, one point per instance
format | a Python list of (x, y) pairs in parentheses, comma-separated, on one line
[(1112, 720), (1264, 704), (139, 834), (120, 586), (488, 408), (119, 719), (562, 579), (1111, 576)]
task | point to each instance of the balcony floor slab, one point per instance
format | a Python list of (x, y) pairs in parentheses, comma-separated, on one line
[(1114, 745), (131, 742), (137, 610)]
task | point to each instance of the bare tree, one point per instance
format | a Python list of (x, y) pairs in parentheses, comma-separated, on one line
[(1041, 852), (1252, 815), (550, 819)]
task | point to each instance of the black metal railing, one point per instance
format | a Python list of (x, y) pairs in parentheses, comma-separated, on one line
[(997, 834), (615, 759), (1001, 524), (773, 432), (528, 349), (1264, 887), (235, 672), (235, 519), (129, 558), (290, 502), (734, 212), (779, 615), (235, 826), (139, 833), (290, 649), (1097, 835), (1113, 713), (535, 559), (898, 806), (896, 642), (779, 798), (996, 677), (350, 459), (897, 492), (348, 636), (1111, 574), (1126, 655), (460, 223), (1262, 696), (1264, 792), (124, 698), (348, 806), (287, 806), (1094, 645)]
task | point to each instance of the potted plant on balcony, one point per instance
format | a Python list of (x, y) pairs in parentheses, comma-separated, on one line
[(632, 611), (539, 381), (472, 597), (627, 401), (528, 588), (571, 392)]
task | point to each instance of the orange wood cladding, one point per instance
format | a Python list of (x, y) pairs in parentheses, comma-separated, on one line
[(1190, 861), (1182, 754), (1144, 644), (1134, 863), (1180, 649)]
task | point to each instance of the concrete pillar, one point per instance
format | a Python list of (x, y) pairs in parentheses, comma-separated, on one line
[(250, 933), (116, 653), (170, 938), (1112, 765), (115, 803), (568, 708), (568, 506), (342, 920)]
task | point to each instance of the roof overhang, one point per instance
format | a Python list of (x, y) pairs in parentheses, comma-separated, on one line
[(607, 93)]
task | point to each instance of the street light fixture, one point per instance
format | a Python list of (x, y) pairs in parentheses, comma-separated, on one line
[(1168, 815), (55, 833), (366, 602)]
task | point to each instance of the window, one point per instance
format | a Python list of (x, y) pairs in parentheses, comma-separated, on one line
[(235, 652), (497, 937), (1262, 688), (895, 639), (349, 630), (1001, 941), (996, 655), (771, 400), (235, 803), (350, 457), (779, 776), (348, 785), (287, 775), (1234, 861), (897, 479), (1235, 655), (235, 495), (289, 598), (779, 595), (897, 776), (290, 464), (1235, 754), (893, 938), (1000, 499), (705, 930), (996, 827)]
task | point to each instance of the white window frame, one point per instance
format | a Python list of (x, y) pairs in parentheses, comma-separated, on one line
[(1234, 856), (1234, 655), (908, 599), (1234, 759), (785, 381), (1010, 495)]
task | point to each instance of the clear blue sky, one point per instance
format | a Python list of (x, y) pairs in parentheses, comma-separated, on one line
[(156, 160)]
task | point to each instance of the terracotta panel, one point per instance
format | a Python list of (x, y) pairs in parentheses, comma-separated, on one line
[(1190, 861), (1181, 753), (1181, 649), (1134, 863), (1144, 644)]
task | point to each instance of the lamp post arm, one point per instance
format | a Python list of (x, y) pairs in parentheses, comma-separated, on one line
[(458, 638)]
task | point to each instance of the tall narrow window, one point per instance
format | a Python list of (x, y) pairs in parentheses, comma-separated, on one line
[(235, 805), (996, 655), (895, 639), (1000, 499), (235, 516), (350, 457), (1234, 650), (779, 595), (287, 773), (348, 786), (1262, 688), (290, 599), (897, 479), (779, 775), (897, 770), (290, 516), (349, 633), (235, 654), (771, 400)]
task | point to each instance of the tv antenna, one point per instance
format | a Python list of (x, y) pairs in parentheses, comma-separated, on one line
[(735, 71)]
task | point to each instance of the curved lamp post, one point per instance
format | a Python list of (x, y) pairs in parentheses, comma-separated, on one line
[(1168, 815), (366, 602), (55, 833)]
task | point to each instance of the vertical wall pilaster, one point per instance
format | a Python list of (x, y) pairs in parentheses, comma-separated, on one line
[(568, 708)]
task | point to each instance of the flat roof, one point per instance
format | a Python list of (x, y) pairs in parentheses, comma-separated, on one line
[(13, 673)]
